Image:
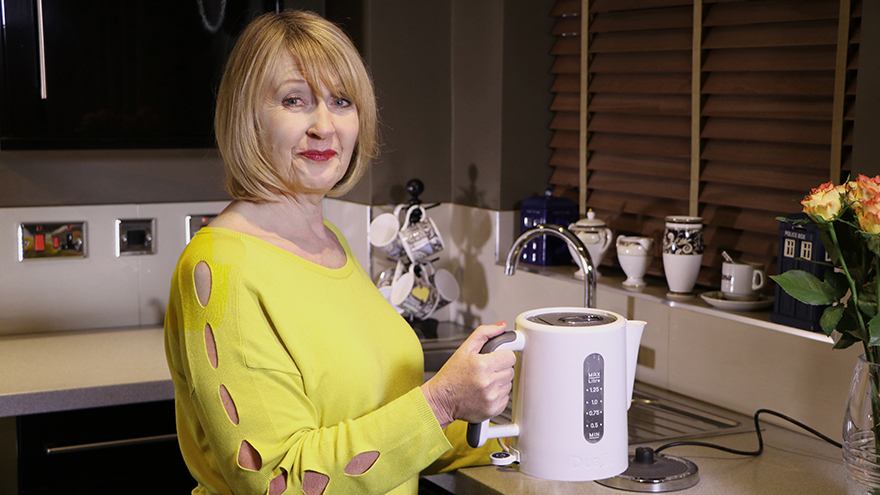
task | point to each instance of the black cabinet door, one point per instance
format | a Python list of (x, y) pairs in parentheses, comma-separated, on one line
[(115, 73), (118, 449)]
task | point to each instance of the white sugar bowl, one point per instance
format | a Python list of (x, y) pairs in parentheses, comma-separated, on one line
[(595, 235)]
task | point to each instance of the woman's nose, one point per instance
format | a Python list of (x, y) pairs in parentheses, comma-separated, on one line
[(322, 122)]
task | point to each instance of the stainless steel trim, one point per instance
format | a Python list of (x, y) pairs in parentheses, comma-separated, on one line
[(20, 242), (111, 444), (42, 50)]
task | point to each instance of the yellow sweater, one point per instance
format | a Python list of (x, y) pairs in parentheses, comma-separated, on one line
[(317, 364)]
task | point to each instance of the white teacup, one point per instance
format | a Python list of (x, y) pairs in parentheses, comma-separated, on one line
[(414, 294), (421, 239), (635, 255), (741, 281)]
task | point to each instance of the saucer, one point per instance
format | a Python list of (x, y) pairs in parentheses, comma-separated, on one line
[(716, 298)]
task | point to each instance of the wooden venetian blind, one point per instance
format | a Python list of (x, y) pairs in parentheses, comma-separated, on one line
[(730, 110)]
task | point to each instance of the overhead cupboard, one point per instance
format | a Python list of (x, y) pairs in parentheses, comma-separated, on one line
[(116, 73)]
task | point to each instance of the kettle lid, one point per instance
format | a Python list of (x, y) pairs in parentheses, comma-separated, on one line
[(571, 319)]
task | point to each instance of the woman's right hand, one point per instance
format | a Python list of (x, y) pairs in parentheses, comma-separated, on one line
[(471, 386)]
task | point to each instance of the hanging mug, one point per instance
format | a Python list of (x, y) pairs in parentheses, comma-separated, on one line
[(413, 293), (420, 239), (448, 289), (385, 282), (384, 230)]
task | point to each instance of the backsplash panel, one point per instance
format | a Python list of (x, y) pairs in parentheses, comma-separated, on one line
[(106, 291)]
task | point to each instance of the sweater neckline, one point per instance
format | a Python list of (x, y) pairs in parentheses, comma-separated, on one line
[(340, 272)]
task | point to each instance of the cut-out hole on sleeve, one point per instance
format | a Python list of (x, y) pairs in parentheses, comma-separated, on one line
[(211, 346), (314, 483), (229, 404), (202, 277), (360, 463), (278, 484), (248, 457)]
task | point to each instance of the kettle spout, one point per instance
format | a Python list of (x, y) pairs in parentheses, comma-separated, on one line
[(634, 329)]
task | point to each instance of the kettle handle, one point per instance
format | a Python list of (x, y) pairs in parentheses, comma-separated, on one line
[(478, 433)]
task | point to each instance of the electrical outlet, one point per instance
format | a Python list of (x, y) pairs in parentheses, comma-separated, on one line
[(51, 240), (135, 237), (196, 222)]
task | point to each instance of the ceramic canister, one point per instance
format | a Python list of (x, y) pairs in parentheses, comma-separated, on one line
[(682, 252), (595, 235)]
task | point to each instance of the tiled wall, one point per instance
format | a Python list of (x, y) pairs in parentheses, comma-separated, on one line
[(103, 290)]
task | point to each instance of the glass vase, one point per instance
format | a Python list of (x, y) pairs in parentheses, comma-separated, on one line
[(861, 431)]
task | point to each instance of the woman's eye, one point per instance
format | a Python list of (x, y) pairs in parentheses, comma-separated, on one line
[(292, 101), (341, 103)]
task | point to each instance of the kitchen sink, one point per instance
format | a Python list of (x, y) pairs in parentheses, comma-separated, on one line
[(656, 415), (659, 415)]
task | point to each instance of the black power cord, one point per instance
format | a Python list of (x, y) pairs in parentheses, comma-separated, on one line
[(760, 437)]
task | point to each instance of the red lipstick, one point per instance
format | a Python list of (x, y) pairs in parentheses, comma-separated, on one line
[(318, 155)]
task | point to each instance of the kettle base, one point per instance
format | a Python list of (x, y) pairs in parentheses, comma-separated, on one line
[(654, 473)]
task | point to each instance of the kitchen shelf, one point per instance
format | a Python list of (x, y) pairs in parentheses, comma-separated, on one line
[(656, 290)]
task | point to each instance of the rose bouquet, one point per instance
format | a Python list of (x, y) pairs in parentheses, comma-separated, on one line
[(848, 218)]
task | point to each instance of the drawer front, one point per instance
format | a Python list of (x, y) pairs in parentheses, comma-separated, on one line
[(130, 448)]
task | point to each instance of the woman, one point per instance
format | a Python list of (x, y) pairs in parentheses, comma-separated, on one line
[(291, 371)]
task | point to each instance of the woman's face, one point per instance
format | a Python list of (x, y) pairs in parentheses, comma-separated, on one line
[(313, 135)]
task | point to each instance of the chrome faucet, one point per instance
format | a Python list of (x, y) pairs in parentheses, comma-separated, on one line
[(577, 248)]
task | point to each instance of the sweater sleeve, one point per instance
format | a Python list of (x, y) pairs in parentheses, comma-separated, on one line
[(251, 416), (462, 455)]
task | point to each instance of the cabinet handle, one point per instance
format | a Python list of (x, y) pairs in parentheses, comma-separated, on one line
[(111, 444), (42, 49)]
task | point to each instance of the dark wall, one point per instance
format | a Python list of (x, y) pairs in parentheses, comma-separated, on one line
[(464, 98)]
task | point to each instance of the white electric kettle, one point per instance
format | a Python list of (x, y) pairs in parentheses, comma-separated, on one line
[(572, 389)]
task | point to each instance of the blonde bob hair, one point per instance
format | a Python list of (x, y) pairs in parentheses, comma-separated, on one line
[(325, 56)]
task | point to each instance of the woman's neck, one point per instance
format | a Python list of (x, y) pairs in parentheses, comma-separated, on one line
[(292, 224)]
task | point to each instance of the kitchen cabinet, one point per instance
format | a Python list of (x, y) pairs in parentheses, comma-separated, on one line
[(131, 448), (116, 74)]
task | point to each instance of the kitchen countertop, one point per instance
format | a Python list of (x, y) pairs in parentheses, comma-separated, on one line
[(60, 371), (792, 463), (109, 367)]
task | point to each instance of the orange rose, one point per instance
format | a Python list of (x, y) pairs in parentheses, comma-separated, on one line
[(824, 201), (863, 188), (869, 215)]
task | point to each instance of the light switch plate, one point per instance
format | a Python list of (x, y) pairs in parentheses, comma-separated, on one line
[(196, 222), (135, 237), (54, 240)]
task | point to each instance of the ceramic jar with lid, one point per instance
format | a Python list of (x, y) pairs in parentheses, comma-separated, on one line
[(595, 235)]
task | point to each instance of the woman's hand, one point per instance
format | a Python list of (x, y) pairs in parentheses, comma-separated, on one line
[(471, 386)]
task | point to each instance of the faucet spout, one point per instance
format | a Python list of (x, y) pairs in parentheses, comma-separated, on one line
[(576, 247)]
